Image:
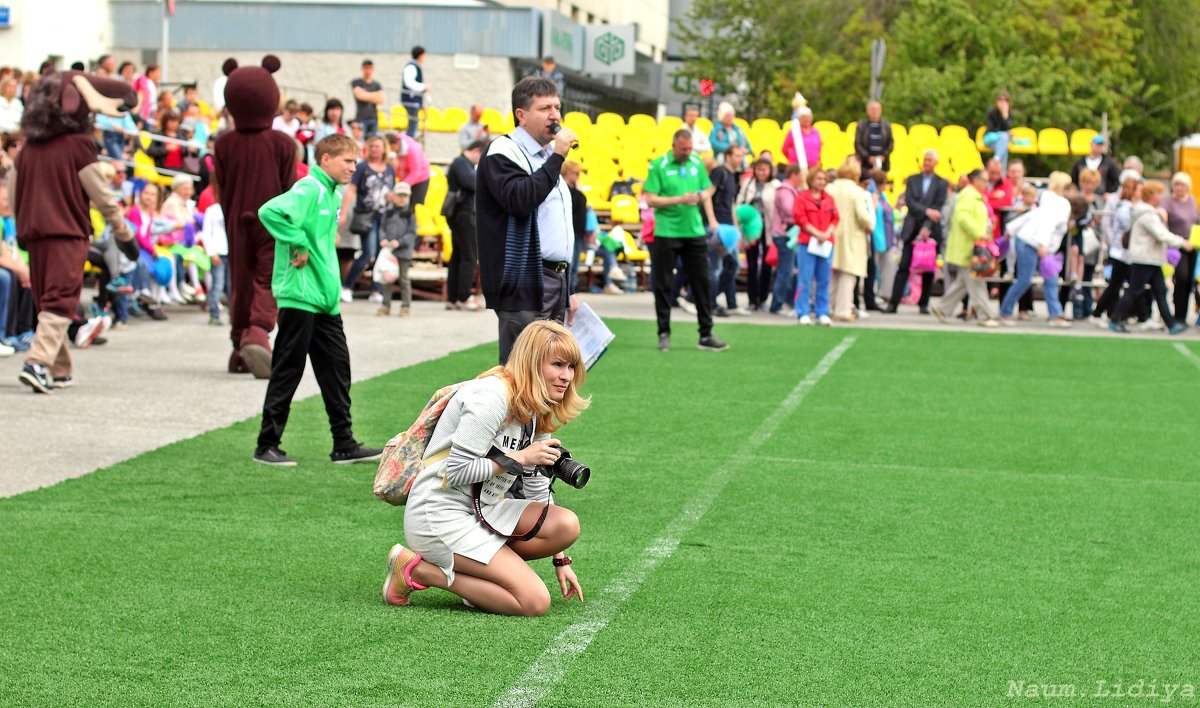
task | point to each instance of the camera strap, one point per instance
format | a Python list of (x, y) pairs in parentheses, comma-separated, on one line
[(499, 457)]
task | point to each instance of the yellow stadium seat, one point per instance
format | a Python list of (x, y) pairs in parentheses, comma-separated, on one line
[(144, 168), (385, 123), (741, 123), (923, 135), (625, 210), (670, 123), (979, 140), (453, 119), (954, 133), (851, 130), (205, 108), (704, 124), (632, 252), (578, 122), (1023, 141), (835, 151), (438, 188), (493, 120), (765, 124), (426, 224), (899, 131), (641, 121), (636, 167), (1053, 141), (610, 120), (431, 120), (827, 129), (1081, 141)]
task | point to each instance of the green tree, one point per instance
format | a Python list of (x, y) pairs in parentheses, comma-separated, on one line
[(1168, 59)]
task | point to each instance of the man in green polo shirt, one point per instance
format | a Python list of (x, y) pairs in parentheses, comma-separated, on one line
[(676, 187)]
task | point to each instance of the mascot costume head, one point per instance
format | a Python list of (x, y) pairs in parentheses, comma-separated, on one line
[(252, 164), (58, 180)]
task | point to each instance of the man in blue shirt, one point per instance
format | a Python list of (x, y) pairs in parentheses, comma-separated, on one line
[(523, 216)]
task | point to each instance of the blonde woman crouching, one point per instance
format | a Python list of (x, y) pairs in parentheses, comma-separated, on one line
[(469, 529)]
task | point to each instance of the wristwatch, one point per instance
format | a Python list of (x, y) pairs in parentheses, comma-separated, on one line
[(560, 562)]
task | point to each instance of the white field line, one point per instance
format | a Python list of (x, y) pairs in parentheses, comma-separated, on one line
[(1187, 353), (548, 669)]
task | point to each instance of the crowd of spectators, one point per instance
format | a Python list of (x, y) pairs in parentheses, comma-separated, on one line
[(821, 243)]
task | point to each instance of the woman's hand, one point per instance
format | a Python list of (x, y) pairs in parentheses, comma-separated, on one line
[(569, 583), (544, 452)]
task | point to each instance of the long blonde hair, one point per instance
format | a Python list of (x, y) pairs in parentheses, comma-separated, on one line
[(527, 395)]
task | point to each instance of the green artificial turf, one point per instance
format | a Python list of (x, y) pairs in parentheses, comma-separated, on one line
[(944, 513)]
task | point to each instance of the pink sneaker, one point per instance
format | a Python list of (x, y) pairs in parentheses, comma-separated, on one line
[(399, 583)]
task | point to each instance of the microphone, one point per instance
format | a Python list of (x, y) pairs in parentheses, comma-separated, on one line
[(555, 127)]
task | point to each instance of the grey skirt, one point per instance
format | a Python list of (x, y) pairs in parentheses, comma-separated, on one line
[(439, 521)]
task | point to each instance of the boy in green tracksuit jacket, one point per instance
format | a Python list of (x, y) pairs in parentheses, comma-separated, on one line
[(306, 282)]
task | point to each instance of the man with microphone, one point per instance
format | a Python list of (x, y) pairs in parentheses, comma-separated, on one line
[(523, 215)]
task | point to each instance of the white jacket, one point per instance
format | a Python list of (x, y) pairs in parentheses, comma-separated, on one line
[(1149, 238), (1046, 225)]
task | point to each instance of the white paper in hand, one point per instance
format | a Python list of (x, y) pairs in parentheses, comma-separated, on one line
[(820, 250), (591, 333)]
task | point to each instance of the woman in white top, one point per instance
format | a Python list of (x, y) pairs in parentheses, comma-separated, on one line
[(470, 530), (1038, 233)]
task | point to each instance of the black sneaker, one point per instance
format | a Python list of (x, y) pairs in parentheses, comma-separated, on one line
[(358, 453), (156, 313), (63, 381), (273, 456), (36, 377), (719, 311), (664, 342), (712, 344)]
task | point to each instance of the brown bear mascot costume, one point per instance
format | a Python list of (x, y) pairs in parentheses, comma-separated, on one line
[(58, 174), (252, 164)]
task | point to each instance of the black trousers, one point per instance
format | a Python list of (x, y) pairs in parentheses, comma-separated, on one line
[(905, 271), (460, 271), (1139, 276), (1184, 284), (758, 273), (301, 336), (868, 290), (693, 255)]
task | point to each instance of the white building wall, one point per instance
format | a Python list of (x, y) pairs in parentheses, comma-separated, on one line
[(76, 30), (651, 15)]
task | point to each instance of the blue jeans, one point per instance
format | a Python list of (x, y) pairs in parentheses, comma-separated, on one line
[(784, 289), (218, 287), (370, 248), (808, 269), (1027, 265), (114, 144), (1000, 148), (609, 260), (6, 281), (370, 127), (414, 117), (724, 270)]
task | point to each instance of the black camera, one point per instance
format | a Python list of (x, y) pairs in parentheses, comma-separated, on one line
[(568, 469)]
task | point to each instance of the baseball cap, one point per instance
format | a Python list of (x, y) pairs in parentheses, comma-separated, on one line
[(1099, 140), (402, 188)]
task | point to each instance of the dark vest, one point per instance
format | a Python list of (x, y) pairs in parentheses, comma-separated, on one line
[(412, 97)]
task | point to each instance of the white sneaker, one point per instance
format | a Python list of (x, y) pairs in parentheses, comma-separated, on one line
[(824, 321), (613, 289), (1150, 326), (863, 314), (687, 307), (347, 295), (616, 274), (740, 312), (6, 350), (806, 321), (88, 332), (375, 298)]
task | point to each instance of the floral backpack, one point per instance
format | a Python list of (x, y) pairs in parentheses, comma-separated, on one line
[(403, 457)]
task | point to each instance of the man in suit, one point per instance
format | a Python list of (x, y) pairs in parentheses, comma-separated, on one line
[(873, 140), (925, 195)]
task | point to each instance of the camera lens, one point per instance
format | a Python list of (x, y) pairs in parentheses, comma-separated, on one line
[(572, 472)]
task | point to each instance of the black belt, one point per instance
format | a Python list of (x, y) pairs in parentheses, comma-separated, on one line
[(556, 266)]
